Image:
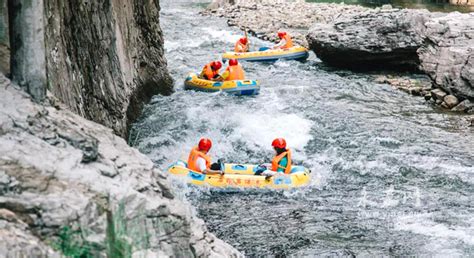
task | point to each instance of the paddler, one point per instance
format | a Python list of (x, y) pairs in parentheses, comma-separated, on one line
[(234, 71), (281, 163), (200, 161), (211, 71), (242, 45), (285, 41)]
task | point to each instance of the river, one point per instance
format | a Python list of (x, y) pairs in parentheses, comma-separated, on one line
[(392, 175)]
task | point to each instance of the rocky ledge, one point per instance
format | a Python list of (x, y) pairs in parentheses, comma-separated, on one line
[(440, 45), (69, 186)]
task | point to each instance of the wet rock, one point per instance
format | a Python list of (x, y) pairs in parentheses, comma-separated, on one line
[(427, 95), (373, 39), (451, 101), (438, 94), (465, 106), (56, 190), (447, 54)]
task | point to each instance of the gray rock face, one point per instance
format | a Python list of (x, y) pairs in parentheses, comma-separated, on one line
[(28, 67), (105, 59), (67, 181), (447, 54), (374, 39), (4, 39)]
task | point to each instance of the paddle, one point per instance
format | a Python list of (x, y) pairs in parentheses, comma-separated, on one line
[(263, 48), (248, 41)]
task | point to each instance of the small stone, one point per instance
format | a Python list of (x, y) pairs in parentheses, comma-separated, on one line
[(427, 95), (438, 102), (380, 79), (417, 91), (464, 106), (451, 101), (438, 94)]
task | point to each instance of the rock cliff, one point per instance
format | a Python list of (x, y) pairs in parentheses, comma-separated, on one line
[(104, 59), (70, 186)]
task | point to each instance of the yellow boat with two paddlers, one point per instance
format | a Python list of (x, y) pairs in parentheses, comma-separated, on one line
[(267, 55), (236, 87), (243, 176)]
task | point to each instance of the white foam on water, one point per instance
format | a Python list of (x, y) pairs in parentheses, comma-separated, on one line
[(174, 45), (222, 35), (261, 128), (422, 224)]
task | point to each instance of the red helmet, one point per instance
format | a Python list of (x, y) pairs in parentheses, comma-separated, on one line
[(243, 40), (233, 62), (216, 65), (205, 144), (279, 143), (281, 34)]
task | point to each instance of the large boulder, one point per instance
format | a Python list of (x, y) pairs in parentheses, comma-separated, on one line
[(374, 39), (447, 54)]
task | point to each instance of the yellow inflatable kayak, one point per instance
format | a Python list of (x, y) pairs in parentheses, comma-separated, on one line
[(293, 53), (237, 87), (243, 176)]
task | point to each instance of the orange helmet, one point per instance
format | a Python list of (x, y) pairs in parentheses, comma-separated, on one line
[(279, 143), (281, 34), (243, 40), (233, 62), (216, 65), (205, 144)]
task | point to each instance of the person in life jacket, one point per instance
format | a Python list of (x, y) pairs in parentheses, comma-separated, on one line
[(234, 71), (200, 161), (285, 41), (281, 163), (211, 71), (241, 45)]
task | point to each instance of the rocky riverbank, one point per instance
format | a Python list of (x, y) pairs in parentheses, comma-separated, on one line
[(437, 44), (264, 18), (70, 186)]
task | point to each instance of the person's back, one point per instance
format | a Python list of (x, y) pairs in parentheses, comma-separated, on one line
[(211, 70), (234, 71), (199, 161), (241, 45), (285, 41)]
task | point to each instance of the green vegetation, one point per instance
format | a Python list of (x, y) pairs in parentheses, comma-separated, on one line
[(122, 237)]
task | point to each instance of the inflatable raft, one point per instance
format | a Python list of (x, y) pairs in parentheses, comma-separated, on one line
[(237, 87), (293, 53), (243, 176)]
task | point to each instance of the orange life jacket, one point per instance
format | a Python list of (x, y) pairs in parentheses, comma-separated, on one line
[(194, 155), (277, 159), (239, 47), (208, 73), (235, 73), (288, 42)]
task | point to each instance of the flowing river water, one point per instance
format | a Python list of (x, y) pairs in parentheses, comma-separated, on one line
[(392, 175)]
